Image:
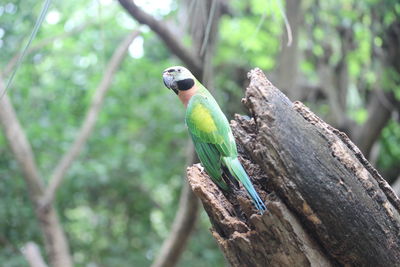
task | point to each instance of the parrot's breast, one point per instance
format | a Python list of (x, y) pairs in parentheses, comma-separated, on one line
[(203, 120)]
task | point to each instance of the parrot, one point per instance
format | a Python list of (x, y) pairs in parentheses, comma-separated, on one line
[(210, 131)]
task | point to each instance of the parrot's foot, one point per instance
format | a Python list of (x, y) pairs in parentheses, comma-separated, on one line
[(198, 165)]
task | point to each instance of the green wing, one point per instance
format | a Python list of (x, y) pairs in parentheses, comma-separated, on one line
[(210, 159), (211, 134)]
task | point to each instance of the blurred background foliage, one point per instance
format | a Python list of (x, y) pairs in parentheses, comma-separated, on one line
[(120, 196)]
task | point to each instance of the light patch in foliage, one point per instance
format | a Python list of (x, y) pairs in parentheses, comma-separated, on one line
[(136, 48), (53, 17)]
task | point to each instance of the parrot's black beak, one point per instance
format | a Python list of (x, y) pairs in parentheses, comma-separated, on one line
[(169, 82)]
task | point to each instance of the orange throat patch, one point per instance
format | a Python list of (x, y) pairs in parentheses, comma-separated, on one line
[(185, 96)]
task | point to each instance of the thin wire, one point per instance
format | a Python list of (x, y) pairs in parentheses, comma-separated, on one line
[(287, 24), (38, 23), (208, 29), (258, 28), (101, 35), (261, 22), (264, 16)]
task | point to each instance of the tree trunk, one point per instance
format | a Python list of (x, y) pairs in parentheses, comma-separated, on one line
[(327, 206)]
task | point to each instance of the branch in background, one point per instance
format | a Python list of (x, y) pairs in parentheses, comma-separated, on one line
[(54, 237), (175, 45), (379, 114), (20, 146), (226, 8), (32, 254), (11, 64), (288, 58), (90, 119), (327, 77), (382, 103), (184, 222), (183, 225), (396, 186)]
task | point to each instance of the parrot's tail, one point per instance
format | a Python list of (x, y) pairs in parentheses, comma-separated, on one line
[(236, 169)]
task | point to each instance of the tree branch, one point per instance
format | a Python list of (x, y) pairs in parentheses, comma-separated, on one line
[(89, 121), (288, 58), (396, 186), (378, 115), (32, 254), (20, 146), (382, 103), (175, 45), (183, 224), (54, 237), (182, 227)]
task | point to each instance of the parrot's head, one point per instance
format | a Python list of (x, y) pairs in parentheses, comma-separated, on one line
[(178, 79)]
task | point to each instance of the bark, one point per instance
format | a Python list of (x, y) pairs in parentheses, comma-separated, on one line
[(327, 205)]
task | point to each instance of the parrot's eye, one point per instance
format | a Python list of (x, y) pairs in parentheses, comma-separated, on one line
[(179, 70)]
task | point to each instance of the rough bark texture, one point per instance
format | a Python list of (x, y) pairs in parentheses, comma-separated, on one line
[(327, 206)]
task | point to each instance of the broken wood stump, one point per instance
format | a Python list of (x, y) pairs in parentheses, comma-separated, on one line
[(326, 205)]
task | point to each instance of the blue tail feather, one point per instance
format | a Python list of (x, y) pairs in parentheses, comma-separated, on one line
[(237, 170)]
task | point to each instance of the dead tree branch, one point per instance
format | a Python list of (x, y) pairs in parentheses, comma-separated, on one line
[(90, 119), (326, 204)]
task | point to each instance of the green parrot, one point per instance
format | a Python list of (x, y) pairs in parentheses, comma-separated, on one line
[(210, 131)]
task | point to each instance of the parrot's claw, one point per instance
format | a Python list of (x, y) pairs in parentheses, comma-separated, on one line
[(198, 165)]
